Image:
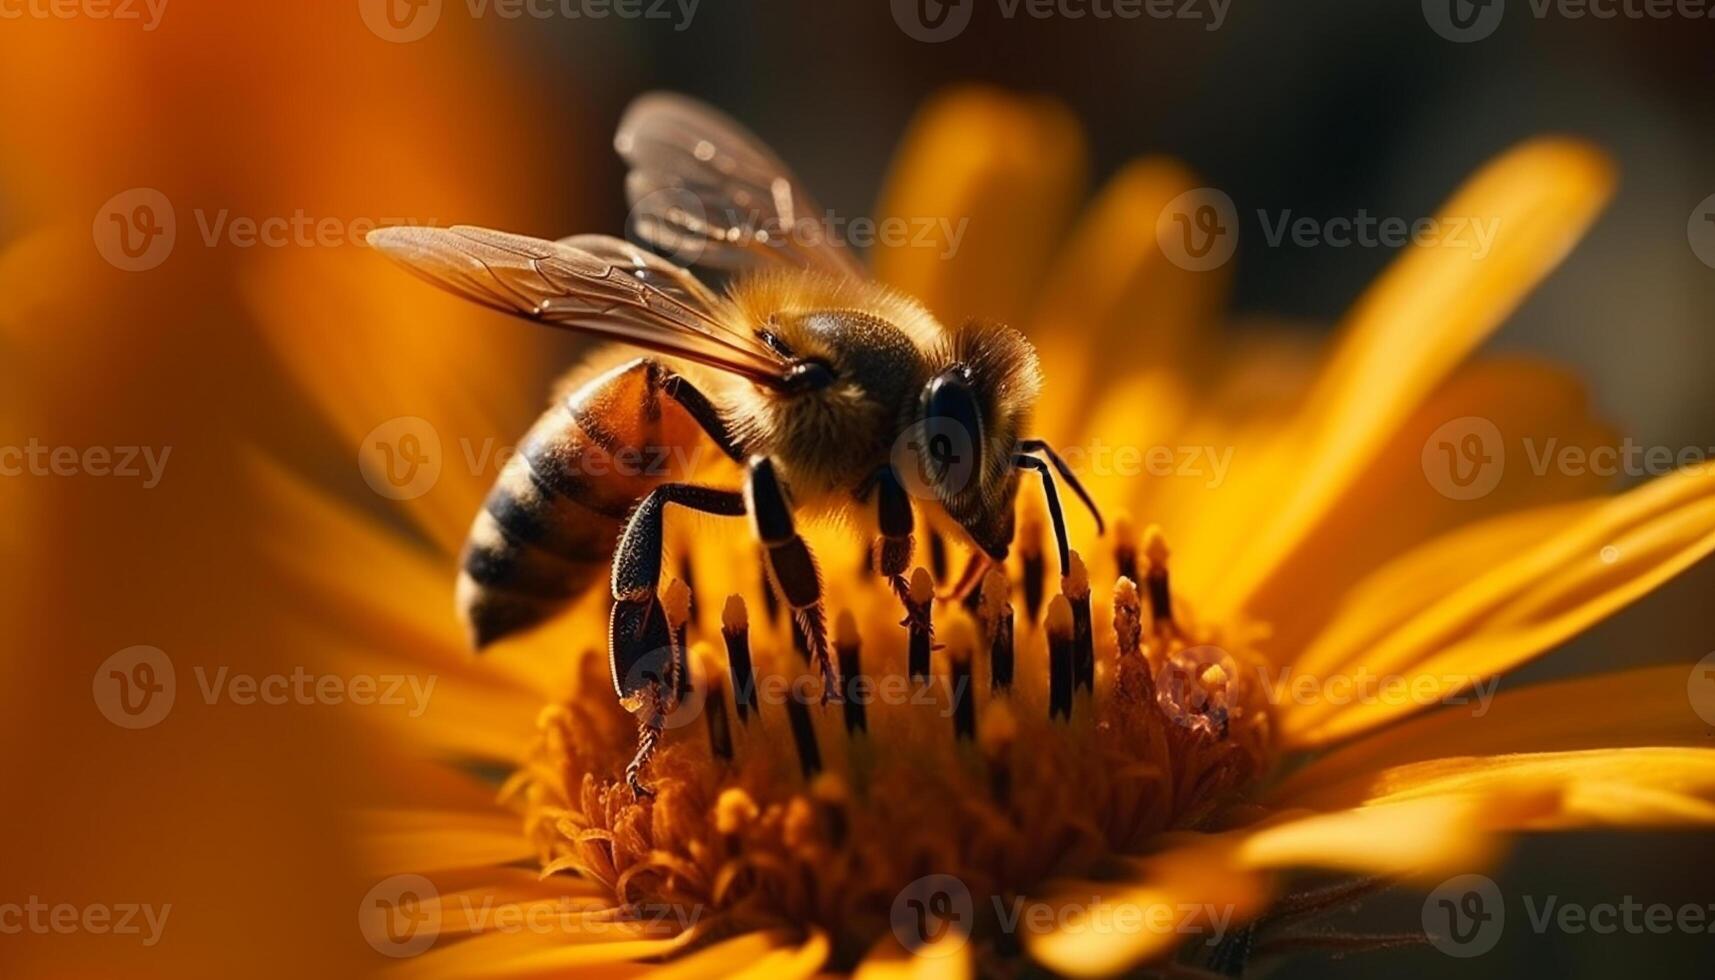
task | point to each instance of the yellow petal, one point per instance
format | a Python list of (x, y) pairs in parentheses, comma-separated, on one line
[(408, 620), (1431, 308), (1002, 176), (517, 955), (426, 841), (1623, 710), (1415, 838), (1394, 505), (382, 355), (1193, 891), (1113, 303), (1510, 613), (722, 959), (1645, 786), (791, 962), (945, 958)]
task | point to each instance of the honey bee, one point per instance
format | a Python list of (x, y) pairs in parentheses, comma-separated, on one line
[(833, 392)]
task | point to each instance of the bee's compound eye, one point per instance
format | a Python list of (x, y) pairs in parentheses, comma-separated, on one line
[(948, 440)]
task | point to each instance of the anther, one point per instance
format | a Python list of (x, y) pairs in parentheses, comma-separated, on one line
[(996, 614), (1125, 546), (1076, 586), (804, 735), (919, 622), (735, 629), (1160, 595), (938, 556), (1134, 680), (961, 647), (847, 645), (1059, 627), (1128, 619)]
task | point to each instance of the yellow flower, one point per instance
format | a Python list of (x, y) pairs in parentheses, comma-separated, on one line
[(1279, 660)]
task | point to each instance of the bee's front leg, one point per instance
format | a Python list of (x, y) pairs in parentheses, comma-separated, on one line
[(893, 547), (791, 566)]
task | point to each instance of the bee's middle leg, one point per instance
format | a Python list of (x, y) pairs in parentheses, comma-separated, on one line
[(791, 566)]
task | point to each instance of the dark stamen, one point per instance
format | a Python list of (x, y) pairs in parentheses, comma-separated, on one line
[(996, 614), (1034, 564), (999, 729), (1059, 627), (920, 623), (714, 710), (804, 734), (938, 556), (847, 646), (1076, 585), (961, 647), (735, 628), (1125, 548), (1160, 595)]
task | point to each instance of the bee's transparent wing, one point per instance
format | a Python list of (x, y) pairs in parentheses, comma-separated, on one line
[(646, 266), (566, 286), (706, 191)]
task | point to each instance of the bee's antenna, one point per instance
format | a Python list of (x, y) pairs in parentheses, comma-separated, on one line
[(1042, 446)]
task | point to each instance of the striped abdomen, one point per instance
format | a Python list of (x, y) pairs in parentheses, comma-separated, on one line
[(549, 526)]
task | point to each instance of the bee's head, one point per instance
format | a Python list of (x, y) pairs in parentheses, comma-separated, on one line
[(969, 418)]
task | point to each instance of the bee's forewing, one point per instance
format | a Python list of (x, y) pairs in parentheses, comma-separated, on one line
[(565, 286)]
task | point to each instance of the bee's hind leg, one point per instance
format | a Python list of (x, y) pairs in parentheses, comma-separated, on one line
[(791, 566), (649, 669)]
